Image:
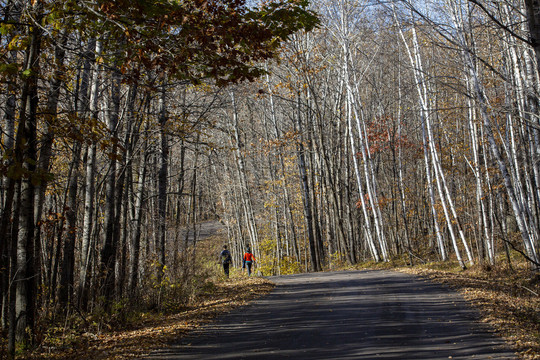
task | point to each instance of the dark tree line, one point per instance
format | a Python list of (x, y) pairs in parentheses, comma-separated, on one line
[(97, 100)]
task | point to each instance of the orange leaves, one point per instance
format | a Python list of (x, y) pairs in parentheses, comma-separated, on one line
[(383, 136), (287, 139), (382, 201)]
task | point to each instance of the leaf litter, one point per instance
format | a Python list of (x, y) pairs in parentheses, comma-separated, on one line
[(158, 330), (508, 300)]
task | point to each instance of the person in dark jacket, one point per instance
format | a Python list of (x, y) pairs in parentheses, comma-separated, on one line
[(226, 260), (248, 260)]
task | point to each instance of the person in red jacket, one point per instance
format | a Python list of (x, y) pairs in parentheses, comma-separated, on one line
[(248, 260)]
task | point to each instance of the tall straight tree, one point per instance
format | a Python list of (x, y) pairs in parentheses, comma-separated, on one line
[(108, 252), (163, 181), (26, 157), (86, 251), (12, 13)]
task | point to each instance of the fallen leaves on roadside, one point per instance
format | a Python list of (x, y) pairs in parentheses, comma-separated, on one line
[(502, 299), (158, 331)]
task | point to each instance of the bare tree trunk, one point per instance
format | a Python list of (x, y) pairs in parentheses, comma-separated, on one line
[(66, 293), (289, 223), (367, 188), (124, 186), (163, 182), (108, 252), (429, 151), (8, 189), (517, 204), (26, 155), (13, 273), (47, 139), (367, 220), (532, 8), (138, 217), (89, 187), (306, 191), (475, 167), (401, 184), (244, 189)]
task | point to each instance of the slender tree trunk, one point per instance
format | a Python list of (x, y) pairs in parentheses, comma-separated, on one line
[(244, 193), (401, 182), (13, 273), (12, 12), (162, 184), (415, 61), (287, 199), (138, 218), (308, 214), (45, 154), (532, 8), (108, 252), (124, 187), (367, 220), (26, 155), (68, 267), (86, 247), (366, 188)]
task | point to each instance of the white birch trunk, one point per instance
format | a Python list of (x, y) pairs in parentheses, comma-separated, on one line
[(245, 196), (423, 113), (518, 206), (343, 37), (367, 220), (442, 187), (475, 167), (89, 181)]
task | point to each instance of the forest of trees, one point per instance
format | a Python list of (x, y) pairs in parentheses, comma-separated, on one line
[(105, 109), (395, 129), (354, 131)]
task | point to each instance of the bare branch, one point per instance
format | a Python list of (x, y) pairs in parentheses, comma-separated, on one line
[(499, 23)]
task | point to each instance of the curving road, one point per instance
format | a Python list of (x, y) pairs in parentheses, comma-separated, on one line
[(346, 315)]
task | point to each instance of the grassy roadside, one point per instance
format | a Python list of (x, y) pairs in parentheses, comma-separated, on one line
[(507, 299), (193, 296), (152, 331)]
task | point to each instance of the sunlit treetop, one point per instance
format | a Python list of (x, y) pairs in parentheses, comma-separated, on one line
[(196, 40)]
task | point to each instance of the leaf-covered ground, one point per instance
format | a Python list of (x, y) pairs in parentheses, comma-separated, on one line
[(155, 331)]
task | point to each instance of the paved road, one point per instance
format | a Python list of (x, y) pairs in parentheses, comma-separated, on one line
[(346, 315), (204, 230)]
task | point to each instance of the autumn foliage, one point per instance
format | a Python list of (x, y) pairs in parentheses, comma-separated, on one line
[(89, 95)]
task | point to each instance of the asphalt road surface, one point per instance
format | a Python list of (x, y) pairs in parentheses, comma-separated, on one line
[(346, 315)]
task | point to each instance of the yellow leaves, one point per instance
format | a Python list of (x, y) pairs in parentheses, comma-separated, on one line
[(5, 29), (19, 42), (202, 87)]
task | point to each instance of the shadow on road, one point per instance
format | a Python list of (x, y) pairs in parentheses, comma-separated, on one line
[(347, 315)]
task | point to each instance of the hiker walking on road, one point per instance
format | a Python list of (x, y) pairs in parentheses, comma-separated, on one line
[(248, 260), (226, 260)]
